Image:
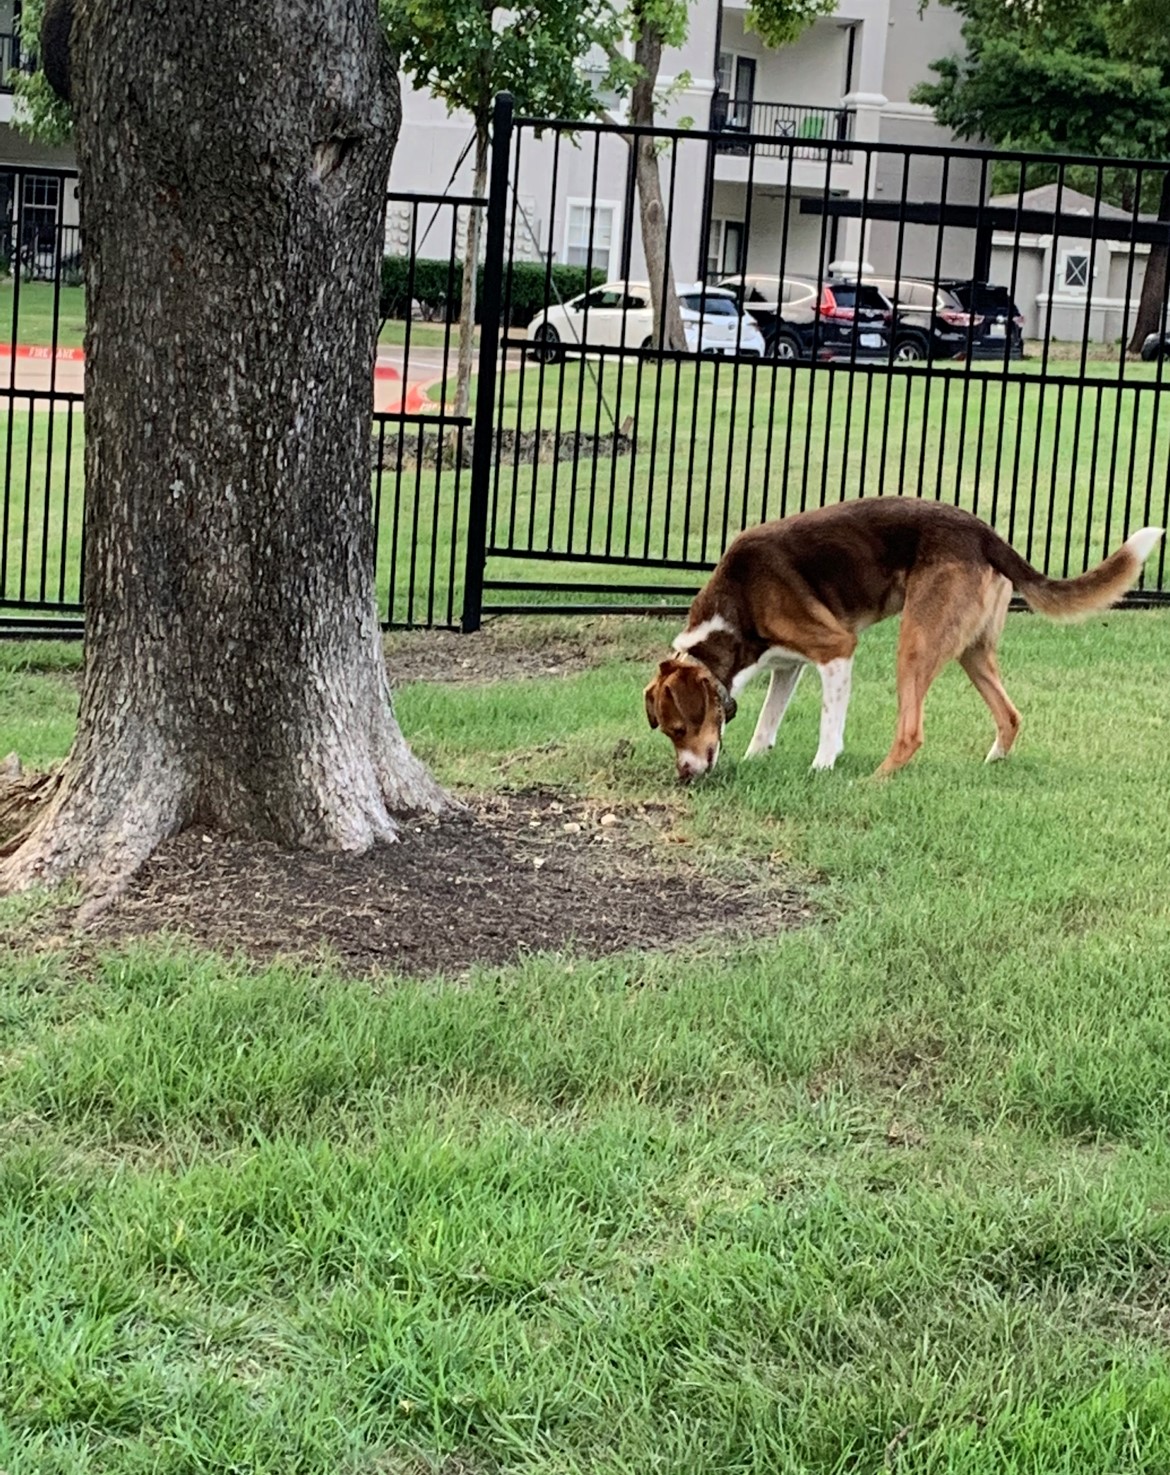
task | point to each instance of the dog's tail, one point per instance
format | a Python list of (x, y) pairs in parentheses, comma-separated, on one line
[(1068, 599)]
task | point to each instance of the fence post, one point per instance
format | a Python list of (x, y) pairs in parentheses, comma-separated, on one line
[(489, 353)]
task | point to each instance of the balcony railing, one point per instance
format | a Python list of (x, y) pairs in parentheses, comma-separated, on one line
[(794, 127)]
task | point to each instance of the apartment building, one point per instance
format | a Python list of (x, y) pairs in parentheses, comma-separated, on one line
[(848, 77)]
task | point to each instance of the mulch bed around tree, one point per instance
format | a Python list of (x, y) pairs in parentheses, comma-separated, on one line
[(507, 650), (508, 875)]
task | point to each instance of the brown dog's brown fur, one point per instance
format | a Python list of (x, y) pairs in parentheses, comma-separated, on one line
[(810, 583)]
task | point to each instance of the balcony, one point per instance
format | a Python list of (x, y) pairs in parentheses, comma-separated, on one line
[(775, 130)]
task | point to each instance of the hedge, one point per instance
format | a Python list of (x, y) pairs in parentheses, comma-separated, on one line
[(524, 287)]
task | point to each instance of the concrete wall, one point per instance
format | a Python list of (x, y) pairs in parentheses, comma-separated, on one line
[(810, 72), (1110, 313), (915, 40), (922, 179)]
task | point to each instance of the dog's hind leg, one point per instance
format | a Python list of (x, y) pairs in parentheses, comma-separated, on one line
[(780, 689), (979, 662), (943, 612)]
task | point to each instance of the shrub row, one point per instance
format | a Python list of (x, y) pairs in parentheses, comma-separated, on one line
[(524, 288)]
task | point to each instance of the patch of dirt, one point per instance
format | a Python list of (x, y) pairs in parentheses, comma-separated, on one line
[(508, 875), (509, 648)]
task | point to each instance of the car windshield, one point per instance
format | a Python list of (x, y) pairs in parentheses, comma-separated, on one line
[(712, 307)]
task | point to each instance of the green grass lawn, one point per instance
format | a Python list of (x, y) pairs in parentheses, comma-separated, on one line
[(715, 447), (38, 303), (719, 447), (891, 1193), (31, 307)]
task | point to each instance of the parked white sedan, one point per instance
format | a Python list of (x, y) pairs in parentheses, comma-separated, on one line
[(619, 315)]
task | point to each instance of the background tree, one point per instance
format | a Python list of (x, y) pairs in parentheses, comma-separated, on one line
[(233, 163), (1074, 76), (44, 33), (650, 26), (467, 51)]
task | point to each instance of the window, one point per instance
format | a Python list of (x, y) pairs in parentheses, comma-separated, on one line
[(726, 71), (712, 307), (1076, 271), (737, 83), (603, 298), (590, 234), (42, 198), (725, 248)]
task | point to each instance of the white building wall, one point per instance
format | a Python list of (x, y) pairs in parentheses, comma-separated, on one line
[(892, 48)]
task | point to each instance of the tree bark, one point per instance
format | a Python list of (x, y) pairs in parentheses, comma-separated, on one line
[(1152, 304), (668, 328), (233, 163), (470, 272)]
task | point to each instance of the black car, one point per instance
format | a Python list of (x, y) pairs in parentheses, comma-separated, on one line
[(852, 320), (929, 321), (841, 318), (998, 332)]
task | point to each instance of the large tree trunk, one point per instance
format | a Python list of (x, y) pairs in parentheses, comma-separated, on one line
[(233, 164), (470, 272), (1152, 305), (668, 328)]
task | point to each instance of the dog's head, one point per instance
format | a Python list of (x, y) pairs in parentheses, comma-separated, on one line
[(691, 708)]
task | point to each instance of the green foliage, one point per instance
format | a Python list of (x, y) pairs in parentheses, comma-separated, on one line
[(1078, 76), (437, 286), (466, 51), (780, 22), (42, 114)]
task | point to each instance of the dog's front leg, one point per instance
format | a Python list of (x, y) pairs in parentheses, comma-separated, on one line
[(836, 681), (780, 689)]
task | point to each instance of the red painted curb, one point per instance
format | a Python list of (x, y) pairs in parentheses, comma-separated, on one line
[(41, 351)]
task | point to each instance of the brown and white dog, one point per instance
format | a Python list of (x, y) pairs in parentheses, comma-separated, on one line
[(798, 592)]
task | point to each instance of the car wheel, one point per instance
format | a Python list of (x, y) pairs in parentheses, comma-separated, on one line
[(909, 351), (785, 347), (546, 345)]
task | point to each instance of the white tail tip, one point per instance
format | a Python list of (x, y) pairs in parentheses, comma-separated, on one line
[(1142, 543)]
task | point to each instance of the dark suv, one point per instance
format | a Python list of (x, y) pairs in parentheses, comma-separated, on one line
[(800, 320), (929, 322), (1000, 330)]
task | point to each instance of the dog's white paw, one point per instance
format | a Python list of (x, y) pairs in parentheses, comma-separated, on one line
[(757, 750), (823, 762), (995, 754)]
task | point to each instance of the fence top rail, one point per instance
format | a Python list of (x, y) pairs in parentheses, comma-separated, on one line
[(845, 145), (411, 197)]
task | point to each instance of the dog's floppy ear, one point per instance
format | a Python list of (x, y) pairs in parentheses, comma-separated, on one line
[(651, 694)]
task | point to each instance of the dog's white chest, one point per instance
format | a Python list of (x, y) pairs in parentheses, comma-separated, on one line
[(775, 658)]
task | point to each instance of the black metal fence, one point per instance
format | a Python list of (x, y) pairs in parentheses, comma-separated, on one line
[(860, 319), (931, 322)]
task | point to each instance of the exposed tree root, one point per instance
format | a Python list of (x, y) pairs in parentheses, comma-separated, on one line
[(22, 797), (98, 823)]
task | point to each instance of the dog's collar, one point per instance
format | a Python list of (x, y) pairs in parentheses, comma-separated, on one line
[(726, 700)]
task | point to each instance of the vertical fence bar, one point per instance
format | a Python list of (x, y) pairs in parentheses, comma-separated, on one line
[(489, 349)]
